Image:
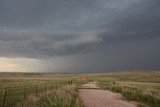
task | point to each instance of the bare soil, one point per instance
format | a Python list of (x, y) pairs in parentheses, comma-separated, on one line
[(91, 85), (102, 98)]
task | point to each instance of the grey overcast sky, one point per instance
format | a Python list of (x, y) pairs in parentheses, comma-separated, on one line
[(79, 35)]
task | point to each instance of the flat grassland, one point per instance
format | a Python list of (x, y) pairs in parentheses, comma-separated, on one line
[(139, 86), (61, 90), (39, 90)]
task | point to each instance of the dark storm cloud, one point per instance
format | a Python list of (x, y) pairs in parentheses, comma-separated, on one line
[(56, 28), (13, 44)]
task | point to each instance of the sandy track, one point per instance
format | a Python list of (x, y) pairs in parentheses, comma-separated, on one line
[(102, 98), (91, 85)]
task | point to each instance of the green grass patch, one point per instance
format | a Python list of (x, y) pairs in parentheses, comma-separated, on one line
[(140, 97), (64, 97), (143, 87)]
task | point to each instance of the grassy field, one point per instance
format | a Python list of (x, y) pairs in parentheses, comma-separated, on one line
[(55, 90), (143, 87), (29, 89)]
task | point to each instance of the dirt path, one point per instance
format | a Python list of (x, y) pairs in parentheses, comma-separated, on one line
[(101, 98), (91, 85)]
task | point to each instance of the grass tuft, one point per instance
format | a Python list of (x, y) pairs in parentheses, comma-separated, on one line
[(64, 97)]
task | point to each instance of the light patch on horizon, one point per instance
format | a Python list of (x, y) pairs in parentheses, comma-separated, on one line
[(17, 64)]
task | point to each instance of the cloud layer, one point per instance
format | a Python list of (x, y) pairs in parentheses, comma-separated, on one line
[(71, 29)]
